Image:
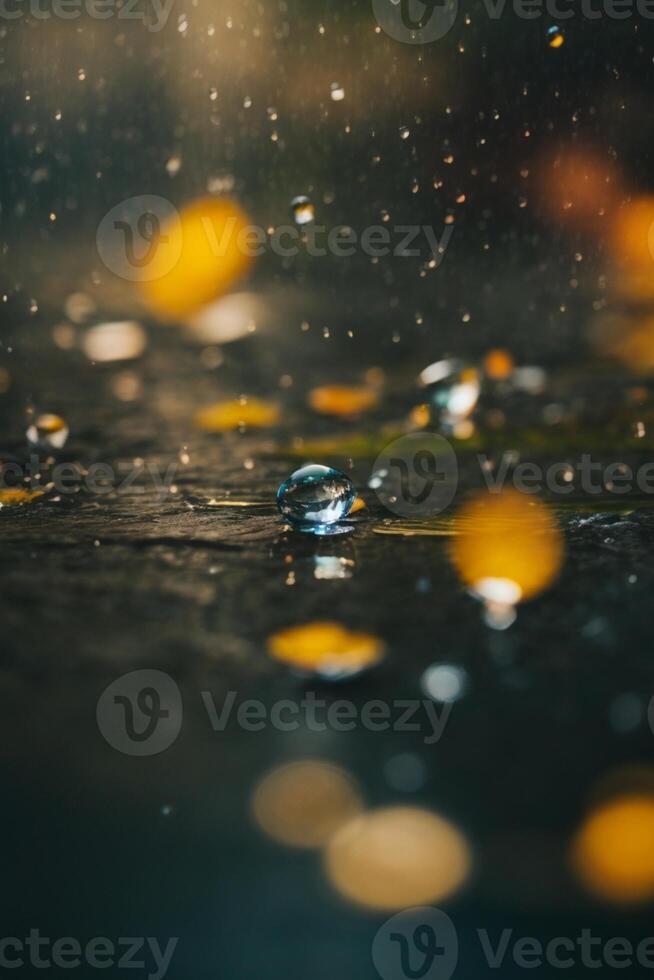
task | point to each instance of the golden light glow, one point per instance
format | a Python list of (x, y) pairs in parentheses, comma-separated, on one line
[(633, 233), (580, 187), (357, 506), (420, 416), (507, 539), (613, 853), (343, 400), (210, 238), (326, 648), (303, 804), (226, 416), (11, 496), (397, 857), (632, 247), (498, 364)]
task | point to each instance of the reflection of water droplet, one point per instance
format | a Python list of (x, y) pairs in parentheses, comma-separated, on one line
[(173, 166), (47, 432), (337, 92), (315, 498), (555, 37), (302, 210), (405, 132)]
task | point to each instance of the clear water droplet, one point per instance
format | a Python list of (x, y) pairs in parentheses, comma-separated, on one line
[(315, 498), (453, 390), (405, 132)]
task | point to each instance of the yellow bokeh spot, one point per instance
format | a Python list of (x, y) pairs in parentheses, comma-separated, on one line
[(507, 538), (225, 416), (397, 857), (557, 41), (498, 364), (633, 235), (343, 400), (11, 496), (420, 416), (304, 803), (613, 853), (357, 506), (199, 255), (325, 648), (578, 186)]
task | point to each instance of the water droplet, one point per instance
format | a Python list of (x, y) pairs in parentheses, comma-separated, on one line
[(315, 498), (555, 37), (405, 132), (337, 92), (453, 391), (302, 210), (47, 432)]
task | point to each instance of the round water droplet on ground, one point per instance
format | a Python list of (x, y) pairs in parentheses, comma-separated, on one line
[(315, 498)]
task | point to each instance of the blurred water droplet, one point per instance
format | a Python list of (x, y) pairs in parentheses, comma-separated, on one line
[(302, 210)]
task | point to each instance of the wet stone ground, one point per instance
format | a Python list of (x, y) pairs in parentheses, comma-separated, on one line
[(192, 582)]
